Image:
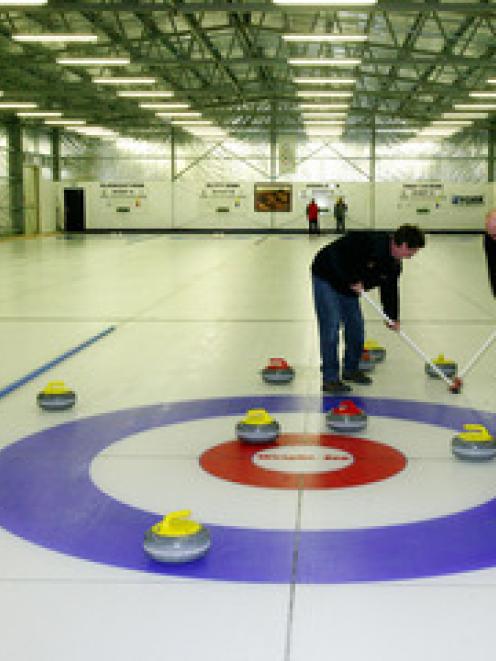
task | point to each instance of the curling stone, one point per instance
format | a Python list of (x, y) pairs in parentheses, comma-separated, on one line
[(278, 371), (377, 353), (176, 539), (366, 363), (474, 444), (257, 427), (448, 367), (346, 417), (56, 397)]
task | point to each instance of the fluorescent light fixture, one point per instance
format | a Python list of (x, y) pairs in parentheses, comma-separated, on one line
[(332, 38), (451, 122), (1, 93), (322, 132), (180, 114), (13, 105), (474, 106), (464, 115), (148, 95), (163, 106), (65, 122), (483, 95), (191, 122), (322, 106), (55, 38), (324, 61), (334, 95), (323, 115), (314, 3), (91, 61), (324, 81), (22, 3), (492, 81), (39, 113), (392, 129), (94, 131), (138, 80), (324, 122)]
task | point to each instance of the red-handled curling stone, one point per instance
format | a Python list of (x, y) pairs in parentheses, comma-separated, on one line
[(278, 371), (346, 417), (367, 363)]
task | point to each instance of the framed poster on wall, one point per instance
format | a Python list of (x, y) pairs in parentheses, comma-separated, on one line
[(273, 197)]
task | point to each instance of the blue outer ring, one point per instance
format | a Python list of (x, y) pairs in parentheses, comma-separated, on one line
[(47, 497)]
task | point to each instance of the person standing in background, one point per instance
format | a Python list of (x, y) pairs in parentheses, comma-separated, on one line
[(313, 217), (490, 248), (340, 209)]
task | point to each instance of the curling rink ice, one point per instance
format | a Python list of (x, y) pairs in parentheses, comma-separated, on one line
[(378, 546)]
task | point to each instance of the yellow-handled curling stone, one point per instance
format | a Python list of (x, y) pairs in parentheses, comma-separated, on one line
[(346, 417), (278, 371), (257, 427), (376, 351), (447, 367), (177, 539), (474, 444), (56, 397)]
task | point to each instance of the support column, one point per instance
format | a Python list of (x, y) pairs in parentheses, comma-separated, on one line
[(16, 184), (491, 151), (55, 148), (372, 174), (173, 171), (273, 142)]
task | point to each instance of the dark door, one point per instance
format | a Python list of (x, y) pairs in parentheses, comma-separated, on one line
[(74, 220)]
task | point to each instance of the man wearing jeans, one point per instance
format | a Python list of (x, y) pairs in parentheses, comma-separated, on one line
[(343, 269)]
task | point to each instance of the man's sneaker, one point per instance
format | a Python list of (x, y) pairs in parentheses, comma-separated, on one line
[(357, 376), (336, 388)]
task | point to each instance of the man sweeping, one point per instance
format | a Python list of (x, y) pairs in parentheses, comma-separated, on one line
[(341, 270)]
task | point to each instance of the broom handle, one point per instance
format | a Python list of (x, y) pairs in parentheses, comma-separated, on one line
[(412, 344), (478, 354)]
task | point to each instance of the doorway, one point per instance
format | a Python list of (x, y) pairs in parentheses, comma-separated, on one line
[(74, 212)]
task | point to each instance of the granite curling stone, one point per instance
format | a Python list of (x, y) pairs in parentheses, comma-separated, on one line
[(56, 397), (257, 427), (346, 417), (366, 363), (474, 444), (177, 539), (376, 351), (447, 367), (278, 371)]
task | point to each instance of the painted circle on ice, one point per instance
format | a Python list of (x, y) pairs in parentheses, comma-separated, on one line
[(47, 497), (304, 461)]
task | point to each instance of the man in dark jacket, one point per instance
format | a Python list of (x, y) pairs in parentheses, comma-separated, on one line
[(490, 248), (340, 209), (343, 269)]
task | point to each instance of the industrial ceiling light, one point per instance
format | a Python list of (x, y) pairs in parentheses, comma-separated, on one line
[(322, 106), (324, 81), (13, 105), (483, 95), (65, 122), (323, 115), (138, 80), (163, 106), (55, 38), (94, 61), (22, 3), (324, 122), (464, 115), (330, 3), (312, 93), (330, 38), (39, 113), (324, 61), (451, 122), (474, 106), (180, 114), (186, 122), (149, 95)]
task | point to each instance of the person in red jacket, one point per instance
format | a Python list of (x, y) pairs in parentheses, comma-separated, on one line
[(313, 217)]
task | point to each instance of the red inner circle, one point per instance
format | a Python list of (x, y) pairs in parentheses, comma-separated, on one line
[(373, 462)]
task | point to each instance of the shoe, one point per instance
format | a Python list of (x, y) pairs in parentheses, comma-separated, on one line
[(336, 388), (357, 376)]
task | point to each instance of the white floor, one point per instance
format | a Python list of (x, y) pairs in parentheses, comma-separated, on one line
[(196, 318)]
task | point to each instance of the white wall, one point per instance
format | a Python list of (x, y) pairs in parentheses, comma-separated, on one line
[(195, 204)]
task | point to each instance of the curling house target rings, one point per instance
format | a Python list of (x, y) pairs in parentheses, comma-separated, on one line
[(45, 476)]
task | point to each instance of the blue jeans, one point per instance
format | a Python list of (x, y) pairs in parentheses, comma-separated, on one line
[(334, 309)]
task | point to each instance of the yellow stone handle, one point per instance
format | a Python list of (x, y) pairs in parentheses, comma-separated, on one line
[(176, 524), (475, 432)]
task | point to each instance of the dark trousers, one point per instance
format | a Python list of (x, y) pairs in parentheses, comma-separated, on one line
[(333, 310), (313, 226)]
